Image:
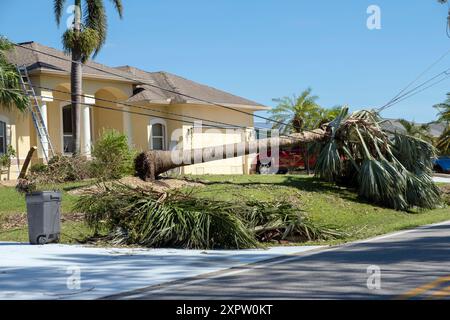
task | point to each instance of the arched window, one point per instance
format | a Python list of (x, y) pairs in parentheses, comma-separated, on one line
[(68, 143), (158, 135)]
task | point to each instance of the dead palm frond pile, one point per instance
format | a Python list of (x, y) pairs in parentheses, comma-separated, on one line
[(179, 219)]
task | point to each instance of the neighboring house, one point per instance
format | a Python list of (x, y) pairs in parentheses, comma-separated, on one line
[(436, 129), (144, 132)]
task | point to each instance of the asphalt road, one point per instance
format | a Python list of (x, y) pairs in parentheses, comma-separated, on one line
[(412, 265)]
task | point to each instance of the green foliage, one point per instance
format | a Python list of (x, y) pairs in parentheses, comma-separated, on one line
[(85, 41), (419, 131), (328, 164), (443, 143), (299, 112), (11, 93), (5, 159), (413, 153), (391, 170), (38, 168), (94, 21), (113, 157), (135, 216)]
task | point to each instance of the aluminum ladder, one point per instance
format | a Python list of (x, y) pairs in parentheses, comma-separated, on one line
[(36, 114)]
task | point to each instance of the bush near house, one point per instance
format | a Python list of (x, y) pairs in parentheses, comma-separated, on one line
[(112, 156)]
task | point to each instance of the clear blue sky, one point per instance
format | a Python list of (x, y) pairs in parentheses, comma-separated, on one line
[(264, 49)]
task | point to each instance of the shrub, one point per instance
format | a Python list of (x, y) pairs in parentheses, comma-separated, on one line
[(112, 157), (148, 218), (38, 168), (5, 159)]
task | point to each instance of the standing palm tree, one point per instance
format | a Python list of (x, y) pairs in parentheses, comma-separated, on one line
[(11, 94), (87, 36), (301, 113)]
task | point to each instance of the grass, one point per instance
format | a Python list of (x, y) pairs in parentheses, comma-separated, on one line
[(324, 203), (13, 203)]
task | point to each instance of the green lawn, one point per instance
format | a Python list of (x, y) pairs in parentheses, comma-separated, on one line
[(13, 203), (324, 203)]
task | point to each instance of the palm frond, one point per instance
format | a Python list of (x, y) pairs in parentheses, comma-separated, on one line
[(95, 18), (329, 165), (58, 7), (415, 154), (119, 7)]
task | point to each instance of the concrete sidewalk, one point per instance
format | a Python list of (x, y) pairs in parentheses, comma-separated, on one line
[(51, 271), (441, 178)]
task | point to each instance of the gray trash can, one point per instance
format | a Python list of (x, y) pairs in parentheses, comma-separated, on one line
[(44, 216)]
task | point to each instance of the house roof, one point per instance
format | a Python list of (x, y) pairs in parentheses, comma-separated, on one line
[(435, 129), (43, 58), (174, 89)]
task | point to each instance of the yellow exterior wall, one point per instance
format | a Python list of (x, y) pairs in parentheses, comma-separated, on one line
[(18, 136), (137, 126)]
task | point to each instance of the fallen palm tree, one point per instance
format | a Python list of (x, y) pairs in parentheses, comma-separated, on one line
[(387, 168)]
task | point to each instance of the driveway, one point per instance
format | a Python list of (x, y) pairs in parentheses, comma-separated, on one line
[(412, 264)]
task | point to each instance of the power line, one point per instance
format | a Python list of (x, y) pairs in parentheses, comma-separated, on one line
[(419, 76), (417, 92), (161, 88), (162, 117), (409, 93), (147, 115), (147, 109)]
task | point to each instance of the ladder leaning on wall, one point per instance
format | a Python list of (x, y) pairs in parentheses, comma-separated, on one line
[(36, 114)]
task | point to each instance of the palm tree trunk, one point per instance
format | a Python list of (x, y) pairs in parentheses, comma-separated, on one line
[(149, 165), (308, 170), (76, 78), (76, 85)]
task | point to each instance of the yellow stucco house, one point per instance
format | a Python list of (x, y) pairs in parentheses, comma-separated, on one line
[(153, 117)]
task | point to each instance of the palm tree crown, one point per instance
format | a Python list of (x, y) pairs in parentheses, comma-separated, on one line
[(11, 94), (296, 113), (94, 26)]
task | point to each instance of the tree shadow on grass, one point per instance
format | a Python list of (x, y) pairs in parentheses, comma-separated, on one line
[(301, 183)]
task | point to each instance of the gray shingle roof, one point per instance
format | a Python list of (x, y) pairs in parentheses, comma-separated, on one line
[(47, 59), (180, 88), (436, 129)]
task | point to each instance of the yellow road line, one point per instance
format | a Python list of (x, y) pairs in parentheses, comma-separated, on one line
[(422, 289), (440, 294)]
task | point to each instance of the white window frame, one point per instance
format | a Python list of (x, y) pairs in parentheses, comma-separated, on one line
[(150, 132), (63, 105), (7, 137), (4, 125)]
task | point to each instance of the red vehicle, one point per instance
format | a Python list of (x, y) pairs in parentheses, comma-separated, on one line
[(289, 159)]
